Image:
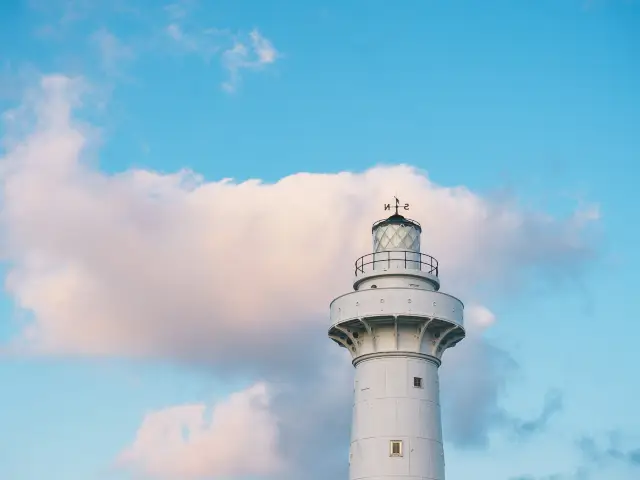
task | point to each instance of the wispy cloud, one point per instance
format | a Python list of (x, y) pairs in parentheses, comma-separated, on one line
[(184, 40), (205, 43), (113, 52), (599, 458), (239, 52), (611, 452), (59, 17), (254, 54), (553, 404), (174, 28), (178, 10)]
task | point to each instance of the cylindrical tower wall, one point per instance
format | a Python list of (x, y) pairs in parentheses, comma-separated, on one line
[(396, 400)]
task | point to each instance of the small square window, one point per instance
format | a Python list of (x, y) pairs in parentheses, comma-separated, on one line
[(395, 449), (417, 382)]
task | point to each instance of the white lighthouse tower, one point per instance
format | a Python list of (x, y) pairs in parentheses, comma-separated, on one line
[(396, 324)]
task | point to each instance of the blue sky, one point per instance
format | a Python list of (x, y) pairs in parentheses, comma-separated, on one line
[(534, 102)]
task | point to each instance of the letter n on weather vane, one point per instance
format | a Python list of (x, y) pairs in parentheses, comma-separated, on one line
[(397, 206)]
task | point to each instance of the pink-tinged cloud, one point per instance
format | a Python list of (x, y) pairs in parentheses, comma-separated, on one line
[(141, 263), (233, 438)]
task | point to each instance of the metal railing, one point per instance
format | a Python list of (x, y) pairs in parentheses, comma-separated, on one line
[(398, 258)]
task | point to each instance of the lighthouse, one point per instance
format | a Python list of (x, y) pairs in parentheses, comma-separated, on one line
[(396, 324)]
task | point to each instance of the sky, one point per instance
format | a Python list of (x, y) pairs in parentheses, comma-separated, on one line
[(185, 187)]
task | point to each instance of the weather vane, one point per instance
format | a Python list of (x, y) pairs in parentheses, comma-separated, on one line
[(387, 206)]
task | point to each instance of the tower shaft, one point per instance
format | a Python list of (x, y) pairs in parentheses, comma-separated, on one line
[(389, 408)]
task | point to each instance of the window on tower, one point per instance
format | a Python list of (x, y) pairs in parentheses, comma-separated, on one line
[(395, 448), (417, 382)]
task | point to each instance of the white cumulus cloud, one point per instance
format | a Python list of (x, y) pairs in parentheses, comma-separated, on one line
[(143, 264), (235, 437)]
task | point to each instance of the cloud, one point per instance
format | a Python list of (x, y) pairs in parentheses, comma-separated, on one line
[(112, 50), (238, 52), (237, 277), (58, 18), (263, 48), (190, 42), (174, 28), (235, 437), (613, 453), (610, 457), (178, 10), (472, 378), (552, 405), (83, 244), (314, 411), (252, 55)]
